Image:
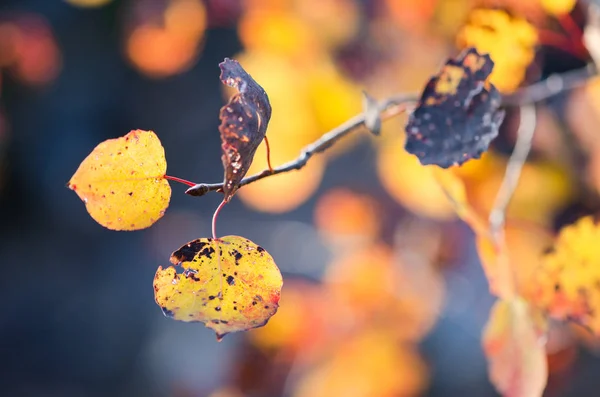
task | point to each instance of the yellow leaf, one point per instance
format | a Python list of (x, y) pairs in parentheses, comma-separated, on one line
[(122, 181), (567, 280), (230, 284), (513, 344), (510, 41), (558, 7)]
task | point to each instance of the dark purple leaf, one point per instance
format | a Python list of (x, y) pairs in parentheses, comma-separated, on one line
[(458, 114), (244, 123)]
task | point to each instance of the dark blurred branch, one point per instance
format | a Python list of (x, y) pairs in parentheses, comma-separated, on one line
[(387, 108), (537, 92)]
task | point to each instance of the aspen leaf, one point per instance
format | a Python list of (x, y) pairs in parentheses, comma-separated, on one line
[(513, 345), (243, 125), (230, 284), (122, 181), (567, 281), (458, 113)]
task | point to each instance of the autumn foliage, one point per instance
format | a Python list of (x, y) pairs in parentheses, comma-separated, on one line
[(377, 299)]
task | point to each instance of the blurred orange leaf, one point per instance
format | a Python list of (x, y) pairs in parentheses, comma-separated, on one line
[(517, 264), (122, 181), (512, 342), (567, 279), (230, 284), (371, 363)]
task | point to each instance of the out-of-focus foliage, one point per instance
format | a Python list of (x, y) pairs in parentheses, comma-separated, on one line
[(509, 40), (122, 181), (566, 283), (513, 344), (230, 284), (166, 39), (384, 257), (28, 49), (88, 3)]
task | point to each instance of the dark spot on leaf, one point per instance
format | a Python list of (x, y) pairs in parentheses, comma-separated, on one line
[(237, 255), (230, 280), (211, 297), (218, 308), (235, 308), (214, 321), (130, 194), (188, 251), (207, 252), (224, 321), (260, 249), (267, 306)]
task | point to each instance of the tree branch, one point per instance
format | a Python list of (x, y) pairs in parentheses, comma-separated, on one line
[(388, 107), (513, 169), (537, 92)]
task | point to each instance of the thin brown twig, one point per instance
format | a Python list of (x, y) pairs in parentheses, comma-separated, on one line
[(537, 92)]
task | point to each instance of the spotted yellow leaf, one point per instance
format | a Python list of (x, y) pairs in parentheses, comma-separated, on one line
[(567, 285), (122, 181), (230, 284)]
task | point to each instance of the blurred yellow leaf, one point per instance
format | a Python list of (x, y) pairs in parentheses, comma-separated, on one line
[(230, 284), (277, 31), (527, 203), (558, 7), (371, 363), (523, 244), (567, 285), (88, 3), (411, 184), (513, 345), (122, 181), (509, 40)]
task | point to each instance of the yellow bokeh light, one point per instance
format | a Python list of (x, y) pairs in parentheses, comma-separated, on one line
[(410, 183), (88, 3)]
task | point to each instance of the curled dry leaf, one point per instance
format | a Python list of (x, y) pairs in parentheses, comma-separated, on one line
[(458, 114), (122, 181), (568, 279), (230, 284), (513, 342), (244, 123)]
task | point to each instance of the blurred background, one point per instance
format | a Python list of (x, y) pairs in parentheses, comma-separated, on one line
[(383, 290)]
